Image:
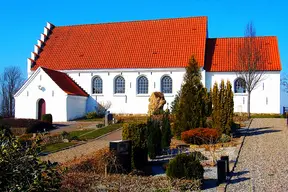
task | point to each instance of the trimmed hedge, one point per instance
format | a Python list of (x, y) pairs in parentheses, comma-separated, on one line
[(200, 136), (31, 125), (185, 166), (47, 118), (137, 133)]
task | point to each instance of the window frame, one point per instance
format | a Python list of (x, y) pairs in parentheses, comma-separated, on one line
[(117, 84), (139, 87), (162, 84), (93, 83), (237, 86)]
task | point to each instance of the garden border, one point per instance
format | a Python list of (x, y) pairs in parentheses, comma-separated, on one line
[(78, 144)]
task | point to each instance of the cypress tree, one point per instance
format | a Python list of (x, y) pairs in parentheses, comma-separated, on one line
[(154, 141), (166, 131), (229, 107), (216, 107), (191, 100), (223, 112)]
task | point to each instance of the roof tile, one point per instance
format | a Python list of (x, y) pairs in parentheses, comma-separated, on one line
[(222, 54), (65, 82), (138, 44)]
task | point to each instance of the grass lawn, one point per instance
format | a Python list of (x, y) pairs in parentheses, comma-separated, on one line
[(95, 119), (56, 146), (79, 132), (100, 132)]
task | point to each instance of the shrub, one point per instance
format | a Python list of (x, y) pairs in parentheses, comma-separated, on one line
[(185, 166), (31, 125), (223, 107), (200, 136), (100, 125), (91, 115), (154, 141), (166, 131), (225, 138), (137, 133), (39, 126), (22, 170), (47, 118)]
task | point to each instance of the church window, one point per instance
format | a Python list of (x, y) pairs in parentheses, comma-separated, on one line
[(97, 85), (119, 85), (239, 86), (142, 84), (166, 84)]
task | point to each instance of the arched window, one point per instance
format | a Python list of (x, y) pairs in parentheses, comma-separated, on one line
[(166, 84), (119, 85), (239, 86), (142, 85), (97, 85)]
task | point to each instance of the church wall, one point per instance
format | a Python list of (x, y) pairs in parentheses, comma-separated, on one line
[(41, 86), (76, 107), (130, 102), (264, 99)]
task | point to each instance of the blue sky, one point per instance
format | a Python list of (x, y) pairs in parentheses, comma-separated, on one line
[(22, 22)]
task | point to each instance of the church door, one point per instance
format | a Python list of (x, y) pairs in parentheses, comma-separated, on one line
[(41, 108)]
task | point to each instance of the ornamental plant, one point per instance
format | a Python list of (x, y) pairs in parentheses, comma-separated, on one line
[(22, 170), (200, 136)]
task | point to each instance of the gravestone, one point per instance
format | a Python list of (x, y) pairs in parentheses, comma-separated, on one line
[(123, 150)]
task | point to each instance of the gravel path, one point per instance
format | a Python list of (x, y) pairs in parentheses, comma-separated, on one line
[(84, 149), (262, 164)]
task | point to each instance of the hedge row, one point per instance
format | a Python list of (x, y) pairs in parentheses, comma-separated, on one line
[(31, 125)]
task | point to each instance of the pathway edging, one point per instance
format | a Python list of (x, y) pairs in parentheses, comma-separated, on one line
[(78, 144), (223, 187)]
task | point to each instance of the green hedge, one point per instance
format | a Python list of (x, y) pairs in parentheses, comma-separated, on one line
[(30, 125), (186, 166), (137, 133), (47, 118)]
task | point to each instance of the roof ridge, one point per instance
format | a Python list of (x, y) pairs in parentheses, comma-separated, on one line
[(262, 36), (135, 21)]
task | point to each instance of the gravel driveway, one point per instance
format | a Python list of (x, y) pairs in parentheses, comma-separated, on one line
[(84, 149), (263, 160)]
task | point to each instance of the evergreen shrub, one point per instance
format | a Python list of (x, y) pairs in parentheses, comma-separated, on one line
[(154, 141), (185, 166), (137, 133), (47, 118)]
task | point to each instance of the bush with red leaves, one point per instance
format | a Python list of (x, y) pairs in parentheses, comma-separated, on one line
[(200, 136)]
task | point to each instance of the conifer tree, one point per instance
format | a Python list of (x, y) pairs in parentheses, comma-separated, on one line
[(190, 113), (229, 107), (215, 106), (166, 131), (222, 100)]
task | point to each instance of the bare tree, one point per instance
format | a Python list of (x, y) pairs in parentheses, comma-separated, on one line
[(10, 81), (250, 62)]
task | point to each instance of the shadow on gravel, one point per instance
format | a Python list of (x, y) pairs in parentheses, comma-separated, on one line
[(238, 173), (238, 180), (260, 131), (209, 184)]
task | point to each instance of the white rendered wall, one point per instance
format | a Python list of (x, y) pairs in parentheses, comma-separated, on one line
[(130, 102), (268, 89), (26, 103), (76, 107)]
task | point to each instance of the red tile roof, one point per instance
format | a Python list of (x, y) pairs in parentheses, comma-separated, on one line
[(65, 83), (222, 53), (164, 43)]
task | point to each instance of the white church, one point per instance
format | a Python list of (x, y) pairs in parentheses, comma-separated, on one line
[(72, 68)]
